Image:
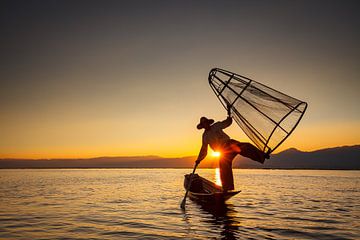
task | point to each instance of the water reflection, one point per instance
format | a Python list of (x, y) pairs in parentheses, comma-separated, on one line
[(221, 218), (145, 204), (223, 215)]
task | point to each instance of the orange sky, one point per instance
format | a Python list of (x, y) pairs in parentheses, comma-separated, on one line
[(130, 80)]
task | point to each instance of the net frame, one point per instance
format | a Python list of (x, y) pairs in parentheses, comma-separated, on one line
[(265, 142)]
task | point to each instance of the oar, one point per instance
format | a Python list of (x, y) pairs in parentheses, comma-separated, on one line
[(182, 205)]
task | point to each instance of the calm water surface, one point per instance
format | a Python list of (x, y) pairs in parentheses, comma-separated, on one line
[(144, 204)]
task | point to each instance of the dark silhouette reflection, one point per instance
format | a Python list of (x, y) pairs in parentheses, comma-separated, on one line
[(222, 215)]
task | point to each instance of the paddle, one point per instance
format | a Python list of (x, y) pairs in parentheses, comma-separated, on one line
[(182, 205)]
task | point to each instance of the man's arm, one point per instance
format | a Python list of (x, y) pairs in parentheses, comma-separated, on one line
[(202, 153), (226, 123)]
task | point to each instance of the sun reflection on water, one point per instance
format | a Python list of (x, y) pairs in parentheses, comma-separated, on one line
[(217, 177)]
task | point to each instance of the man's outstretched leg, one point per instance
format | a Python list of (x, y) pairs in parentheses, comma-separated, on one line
[(250, 151)]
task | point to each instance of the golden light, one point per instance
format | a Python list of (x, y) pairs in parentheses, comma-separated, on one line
[(217, 177), (216, 154)]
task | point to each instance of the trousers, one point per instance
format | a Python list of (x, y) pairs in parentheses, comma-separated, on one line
[(229, 151)]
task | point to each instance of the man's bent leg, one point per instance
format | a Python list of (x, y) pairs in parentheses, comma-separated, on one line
[(226, 174)]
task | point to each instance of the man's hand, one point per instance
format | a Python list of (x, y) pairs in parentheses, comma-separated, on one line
[(228, 110)]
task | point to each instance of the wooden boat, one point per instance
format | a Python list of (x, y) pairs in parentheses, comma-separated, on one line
[(205, 191)]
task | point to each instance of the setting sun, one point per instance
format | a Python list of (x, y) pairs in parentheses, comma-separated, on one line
[(216, 154)]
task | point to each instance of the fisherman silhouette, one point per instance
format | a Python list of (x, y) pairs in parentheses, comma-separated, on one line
[(229, 148)]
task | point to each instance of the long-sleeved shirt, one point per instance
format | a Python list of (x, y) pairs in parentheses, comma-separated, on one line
[(215, 136)]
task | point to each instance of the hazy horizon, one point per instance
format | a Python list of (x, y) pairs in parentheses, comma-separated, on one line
[(165, 157)]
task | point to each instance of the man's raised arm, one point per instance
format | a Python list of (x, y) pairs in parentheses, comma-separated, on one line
[(226, 123)]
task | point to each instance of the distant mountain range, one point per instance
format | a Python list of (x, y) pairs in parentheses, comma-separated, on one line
[(347, 157)]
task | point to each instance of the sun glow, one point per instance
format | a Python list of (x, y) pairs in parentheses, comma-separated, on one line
[(216, 154)]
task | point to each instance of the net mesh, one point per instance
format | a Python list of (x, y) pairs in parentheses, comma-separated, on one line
[(266, 116)]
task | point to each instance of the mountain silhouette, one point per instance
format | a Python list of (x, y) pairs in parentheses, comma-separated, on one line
[(346, 157)]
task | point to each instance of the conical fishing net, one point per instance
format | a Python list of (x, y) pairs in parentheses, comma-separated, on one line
[(266, 116)]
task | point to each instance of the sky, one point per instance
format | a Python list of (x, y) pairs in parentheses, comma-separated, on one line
[(129, 78)]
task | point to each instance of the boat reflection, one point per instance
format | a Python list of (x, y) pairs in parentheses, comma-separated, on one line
[(223, 216)]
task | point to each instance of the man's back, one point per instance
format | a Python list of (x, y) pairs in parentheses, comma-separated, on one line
[(215, 136)]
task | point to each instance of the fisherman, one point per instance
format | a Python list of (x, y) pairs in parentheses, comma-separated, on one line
[(229, 148)]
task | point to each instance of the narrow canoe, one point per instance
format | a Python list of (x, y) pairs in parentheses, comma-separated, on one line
[(203, 190)]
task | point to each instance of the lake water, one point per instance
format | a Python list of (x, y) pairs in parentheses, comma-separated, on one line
[(144, 204)]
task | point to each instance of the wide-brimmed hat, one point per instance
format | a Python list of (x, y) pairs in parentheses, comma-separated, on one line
[(204, 121)]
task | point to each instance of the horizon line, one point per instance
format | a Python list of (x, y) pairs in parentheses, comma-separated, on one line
[(152, 155)]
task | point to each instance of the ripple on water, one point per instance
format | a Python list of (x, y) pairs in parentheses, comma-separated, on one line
[(144, 204), (299, 234)]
